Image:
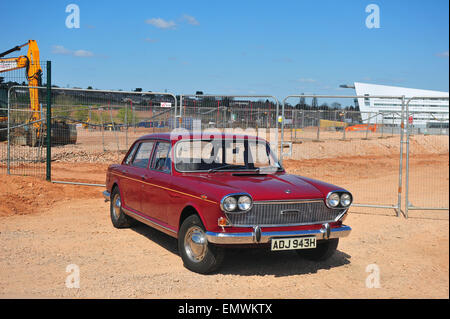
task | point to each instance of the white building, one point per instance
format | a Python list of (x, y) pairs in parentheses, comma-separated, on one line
[(427, 113)]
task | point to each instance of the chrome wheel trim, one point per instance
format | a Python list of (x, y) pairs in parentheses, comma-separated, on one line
[(117, 205), (195, 244)]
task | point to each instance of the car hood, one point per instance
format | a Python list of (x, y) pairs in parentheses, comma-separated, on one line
[(262, 186)]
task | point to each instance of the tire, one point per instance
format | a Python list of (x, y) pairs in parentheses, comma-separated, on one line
[(200, 256), (118, 217), (324, 250)]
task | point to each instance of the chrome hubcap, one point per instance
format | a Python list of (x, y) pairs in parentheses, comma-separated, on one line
[(195, 244), (117, 204)]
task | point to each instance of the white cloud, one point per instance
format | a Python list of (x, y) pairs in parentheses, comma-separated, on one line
[(150, 40), (83, 53), (59, 49), (443, 54), (161, 23), (306, 80), (190, 19)]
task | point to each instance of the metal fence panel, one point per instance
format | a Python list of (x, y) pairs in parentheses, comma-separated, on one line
[(22, 119), (105, 124), (427, 161), (249, 114), (330, 130), (91, 129), (23, 146)]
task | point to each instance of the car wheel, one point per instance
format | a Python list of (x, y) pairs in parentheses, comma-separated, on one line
[(324, 250), (197, 254), (118, 217)]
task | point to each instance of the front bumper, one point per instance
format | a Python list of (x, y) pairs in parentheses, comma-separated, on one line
[(257, 236), (107, 196)]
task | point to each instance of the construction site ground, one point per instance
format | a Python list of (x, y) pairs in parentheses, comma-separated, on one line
[(45, 227)]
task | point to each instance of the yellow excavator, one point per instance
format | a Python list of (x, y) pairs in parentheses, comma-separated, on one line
[(33, 134)]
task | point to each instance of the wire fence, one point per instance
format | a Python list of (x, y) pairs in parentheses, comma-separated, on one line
[(321, 130), (225, 111), (255, 115), (87, 126), (91, 129), (317, 125), (427, 161), (23, 121)]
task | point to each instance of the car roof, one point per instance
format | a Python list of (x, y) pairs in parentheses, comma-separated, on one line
[(176, 136)]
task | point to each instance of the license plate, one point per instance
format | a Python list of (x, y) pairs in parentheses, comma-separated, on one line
[(293, 243)]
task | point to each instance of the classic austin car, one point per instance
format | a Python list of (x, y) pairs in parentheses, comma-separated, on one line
[(212, 192)]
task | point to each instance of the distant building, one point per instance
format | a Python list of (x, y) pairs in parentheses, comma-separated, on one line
[(428, 113)]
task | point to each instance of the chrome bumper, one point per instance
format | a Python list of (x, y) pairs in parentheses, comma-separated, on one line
[(107, 196), (260, 237)]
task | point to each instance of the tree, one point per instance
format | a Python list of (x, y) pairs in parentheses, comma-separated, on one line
[(302, 103), (81, 114), (126, 111), (336, 105), (314, 104)]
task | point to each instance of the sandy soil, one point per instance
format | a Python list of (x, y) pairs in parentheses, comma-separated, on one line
[(46, 227)]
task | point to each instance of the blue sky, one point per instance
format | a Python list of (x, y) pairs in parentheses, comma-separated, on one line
[(236, 47)]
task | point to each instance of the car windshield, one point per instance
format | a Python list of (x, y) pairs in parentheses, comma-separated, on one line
[(225, 155)]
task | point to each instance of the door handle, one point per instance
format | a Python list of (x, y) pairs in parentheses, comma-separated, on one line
[(145, 177)]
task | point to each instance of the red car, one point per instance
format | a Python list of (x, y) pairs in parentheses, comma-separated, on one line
[(216, 191)]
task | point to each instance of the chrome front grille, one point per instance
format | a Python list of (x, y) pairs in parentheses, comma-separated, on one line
[(273, 213)]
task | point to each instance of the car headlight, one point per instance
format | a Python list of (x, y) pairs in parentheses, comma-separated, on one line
[(333, 200), (346, 199), (229, 204), (244, 203)]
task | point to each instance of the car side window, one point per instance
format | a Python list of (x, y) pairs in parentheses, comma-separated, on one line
[(143, 153), (131, 154), (161, 160)]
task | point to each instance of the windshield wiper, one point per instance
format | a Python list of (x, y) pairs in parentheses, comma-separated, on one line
[(212, 170)]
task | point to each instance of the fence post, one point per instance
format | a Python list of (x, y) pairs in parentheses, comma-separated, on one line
[(8, 151), (318, 125), (49, 122), (407, 160), (126, 125), (368, 125), (400, 173), (344, 127), (103, 129)]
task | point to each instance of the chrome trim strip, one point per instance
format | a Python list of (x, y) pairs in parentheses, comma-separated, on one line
[(290, 211), (339, 217), (148, 221), (266, 236), (107, 196), (295, 201)]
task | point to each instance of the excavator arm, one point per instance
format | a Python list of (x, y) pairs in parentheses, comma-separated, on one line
[(33, 73)]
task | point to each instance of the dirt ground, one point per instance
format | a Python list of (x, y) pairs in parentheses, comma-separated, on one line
[(46, 227)]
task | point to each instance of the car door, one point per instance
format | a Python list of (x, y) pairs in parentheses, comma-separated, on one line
[(132, 184), (156, 197)]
